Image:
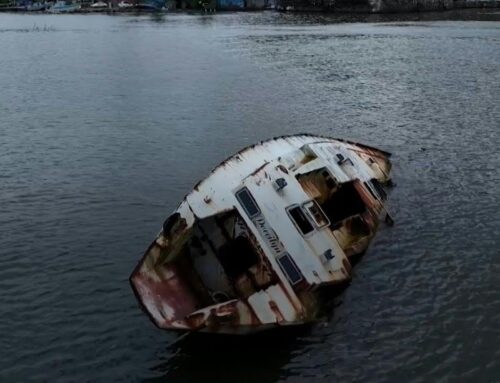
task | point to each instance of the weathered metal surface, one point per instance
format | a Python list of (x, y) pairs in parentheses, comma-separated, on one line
[(248, 247)]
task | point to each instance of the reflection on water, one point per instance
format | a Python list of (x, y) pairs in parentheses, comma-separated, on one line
[(209, 358), (262, 357)]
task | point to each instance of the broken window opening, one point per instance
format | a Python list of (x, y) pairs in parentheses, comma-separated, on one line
[(344, 203), (300, 219), (237, 256), (316, 214), (370, 188), (329, 181), (318, 184), (379, 189), (350, 219)]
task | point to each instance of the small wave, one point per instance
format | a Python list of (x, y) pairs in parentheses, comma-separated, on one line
[(34, 28)]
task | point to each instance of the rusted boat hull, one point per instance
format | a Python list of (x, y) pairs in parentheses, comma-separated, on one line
[(252, 245)]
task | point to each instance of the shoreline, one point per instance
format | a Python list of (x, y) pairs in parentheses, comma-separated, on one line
[(410, 8)]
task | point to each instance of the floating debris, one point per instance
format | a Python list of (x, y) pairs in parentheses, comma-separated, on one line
[(253, 245)]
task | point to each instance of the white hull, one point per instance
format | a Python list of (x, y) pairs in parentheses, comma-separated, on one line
[(250, 246)]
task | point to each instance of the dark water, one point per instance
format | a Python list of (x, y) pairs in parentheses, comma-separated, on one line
[(106, 122)]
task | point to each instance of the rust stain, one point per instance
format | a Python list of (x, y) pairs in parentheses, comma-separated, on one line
[(188, 278), (275, 309)]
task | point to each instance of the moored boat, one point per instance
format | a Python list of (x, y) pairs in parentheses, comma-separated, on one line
[(36, 7), (64, 7), (124, 4), (252, 246), (150, 5), (99, 5)]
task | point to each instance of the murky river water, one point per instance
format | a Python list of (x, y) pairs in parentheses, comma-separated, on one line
[(106, 122)]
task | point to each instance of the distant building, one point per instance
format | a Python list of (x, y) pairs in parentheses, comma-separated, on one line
[(230, 4), (382, 6), (223, 5)]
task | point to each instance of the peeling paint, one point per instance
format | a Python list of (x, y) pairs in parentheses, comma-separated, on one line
[(232, 259)]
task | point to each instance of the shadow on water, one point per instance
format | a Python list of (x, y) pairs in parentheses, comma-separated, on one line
[(230, 358), (258, 357)]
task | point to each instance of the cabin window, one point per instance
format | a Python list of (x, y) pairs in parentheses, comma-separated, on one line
[(329, 180), (290, 269), (316, 214), (370, 189), (300, 220), (246, 200), (380, 190), (376, 190)]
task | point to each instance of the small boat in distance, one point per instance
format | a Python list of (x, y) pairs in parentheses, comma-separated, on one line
[(150, 5), (62, 6), (36, 7), (99, 5), (124, 4), (257, 243)]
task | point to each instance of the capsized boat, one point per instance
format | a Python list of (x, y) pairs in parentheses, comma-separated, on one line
[(252, 246)]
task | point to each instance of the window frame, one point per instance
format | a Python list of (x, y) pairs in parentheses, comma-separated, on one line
[(295, 267), (306, 215), (240, 201), (311, 216)]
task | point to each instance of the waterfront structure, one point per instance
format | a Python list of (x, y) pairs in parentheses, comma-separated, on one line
[(381, 6), (62, 6), (344, 6)]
